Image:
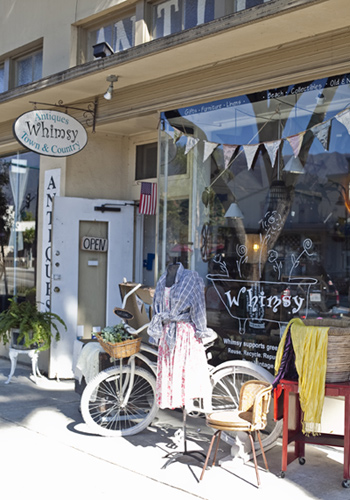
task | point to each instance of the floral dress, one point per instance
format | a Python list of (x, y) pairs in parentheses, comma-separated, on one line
[(182, 369)]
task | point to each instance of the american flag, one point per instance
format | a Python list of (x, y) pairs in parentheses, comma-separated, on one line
[(148, 198)]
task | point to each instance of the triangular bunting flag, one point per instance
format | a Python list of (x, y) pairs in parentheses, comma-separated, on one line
[(296, 141), (177, 134), (272, 148), (229, 151), (191, 142), (322, 132), (250, 152), (208, 149), (344, 118)]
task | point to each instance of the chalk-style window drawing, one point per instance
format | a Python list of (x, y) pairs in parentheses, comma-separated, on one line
[(268, 186)]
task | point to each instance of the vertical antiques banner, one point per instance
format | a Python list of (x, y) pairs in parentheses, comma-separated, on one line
[(51, 189)]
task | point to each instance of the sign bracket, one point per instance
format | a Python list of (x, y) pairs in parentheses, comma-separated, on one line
[(89, 113)]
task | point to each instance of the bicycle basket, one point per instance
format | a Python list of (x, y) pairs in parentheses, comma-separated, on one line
[(120, 349)]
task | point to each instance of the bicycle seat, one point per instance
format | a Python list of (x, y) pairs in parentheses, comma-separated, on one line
[(210, 337)]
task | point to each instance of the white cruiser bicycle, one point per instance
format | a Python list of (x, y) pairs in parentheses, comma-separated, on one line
[(121, 400)]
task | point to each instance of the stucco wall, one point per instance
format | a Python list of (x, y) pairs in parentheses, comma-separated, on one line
[(53, 21), (100, 170)]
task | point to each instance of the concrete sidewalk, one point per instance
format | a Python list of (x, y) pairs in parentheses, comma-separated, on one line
[(48, 451)]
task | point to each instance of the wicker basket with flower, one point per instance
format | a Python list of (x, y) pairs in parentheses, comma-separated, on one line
[(118, 342)]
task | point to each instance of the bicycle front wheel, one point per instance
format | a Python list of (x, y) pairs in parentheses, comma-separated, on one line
[(227, 381), (118, 403)]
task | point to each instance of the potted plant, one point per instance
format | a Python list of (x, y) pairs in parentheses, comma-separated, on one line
[(25, 327)]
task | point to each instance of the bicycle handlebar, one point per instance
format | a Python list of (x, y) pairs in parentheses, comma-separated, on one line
[(133, 290), (132, 330)]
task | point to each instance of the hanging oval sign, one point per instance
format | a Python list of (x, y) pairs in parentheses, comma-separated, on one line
[(50, 132)]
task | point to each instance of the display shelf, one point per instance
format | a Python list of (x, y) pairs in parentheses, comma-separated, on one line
[(291, 413)]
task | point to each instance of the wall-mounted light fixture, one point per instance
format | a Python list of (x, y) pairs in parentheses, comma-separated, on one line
[(102, 49), (109, 94)]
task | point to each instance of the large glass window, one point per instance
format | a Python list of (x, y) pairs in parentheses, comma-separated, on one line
[(264, 213), (172, 16), (19, 180)]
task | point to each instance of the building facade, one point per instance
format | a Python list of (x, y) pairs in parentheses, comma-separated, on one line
[(236, 110)]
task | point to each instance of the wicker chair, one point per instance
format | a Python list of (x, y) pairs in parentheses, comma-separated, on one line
[(251, 416)]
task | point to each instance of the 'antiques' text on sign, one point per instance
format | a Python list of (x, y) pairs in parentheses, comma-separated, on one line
[(50, 133)]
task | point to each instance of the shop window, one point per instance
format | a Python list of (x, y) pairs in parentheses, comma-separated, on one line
[(19, 181), (28, 68), (268, 209)]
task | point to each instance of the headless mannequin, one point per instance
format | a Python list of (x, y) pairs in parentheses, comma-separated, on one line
[(171, 274), (173, 456)]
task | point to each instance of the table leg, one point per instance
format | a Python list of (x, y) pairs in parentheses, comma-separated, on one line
[(285, 430), (299, 446), (34, 357), (347, 436), (13, 357)]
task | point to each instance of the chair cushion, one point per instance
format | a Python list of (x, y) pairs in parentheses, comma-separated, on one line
[(230, 420)]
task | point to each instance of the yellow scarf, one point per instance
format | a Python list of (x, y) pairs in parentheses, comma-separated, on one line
[(310, 348)]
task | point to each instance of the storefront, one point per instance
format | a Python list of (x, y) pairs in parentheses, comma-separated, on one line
[(255, 196), (270, 259)]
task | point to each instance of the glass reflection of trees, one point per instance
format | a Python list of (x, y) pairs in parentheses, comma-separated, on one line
[(19, 177)]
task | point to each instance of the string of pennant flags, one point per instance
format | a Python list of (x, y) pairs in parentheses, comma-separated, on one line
[(321, 131), (148, 198)]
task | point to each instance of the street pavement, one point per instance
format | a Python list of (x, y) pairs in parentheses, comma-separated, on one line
[(47, 451)]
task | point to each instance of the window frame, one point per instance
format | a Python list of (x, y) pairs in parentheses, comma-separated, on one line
[(9, 62), (144, 147), (17, 60), (3, 86)]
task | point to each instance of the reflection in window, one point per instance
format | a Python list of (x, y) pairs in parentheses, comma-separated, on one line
[(29, 68), (178, 248), (269, 208), (19, 178)]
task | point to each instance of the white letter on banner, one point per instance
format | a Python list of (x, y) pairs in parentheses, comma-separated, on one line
[(201, 11), (166, 7), (122, 41)]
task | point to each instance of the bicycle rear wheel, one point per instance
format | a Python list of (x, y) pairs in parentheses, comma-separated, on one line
[(107, 409), (227, 381)]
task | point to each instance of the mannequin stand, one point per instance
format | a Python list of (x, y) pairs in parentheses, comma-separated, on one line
[(177, 456)]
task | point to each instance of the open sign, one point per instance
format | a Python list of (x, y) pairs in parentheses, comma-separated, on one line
[(94, 244)]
